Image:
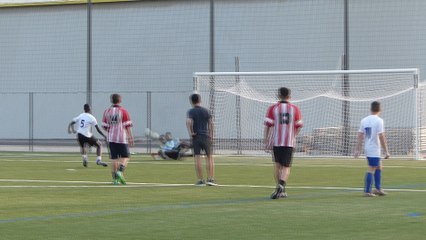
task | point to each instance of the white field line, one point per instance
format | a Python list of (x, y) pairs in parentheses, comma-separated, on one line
[(266, 164), (130, 184)]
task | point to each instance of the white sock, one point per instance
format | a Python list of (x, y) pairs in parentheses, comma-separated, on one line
[(85, 157)]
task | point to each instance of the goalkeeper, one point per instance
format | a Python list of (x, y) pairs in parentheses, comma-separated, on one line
[(171, 148)]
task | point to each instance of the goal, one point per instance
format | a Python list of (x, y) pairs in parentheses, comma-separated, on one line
[(332, 104)]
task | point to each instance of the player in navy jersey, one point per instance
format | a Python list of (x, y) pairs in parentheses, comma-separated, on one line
[(372, 132), (85, 137), (200, 126), (283, 122), (116, 120)]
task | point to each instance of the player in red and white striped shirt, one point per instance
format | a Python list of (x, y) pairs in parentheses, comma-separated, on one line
[(283, 122), (116, 120)]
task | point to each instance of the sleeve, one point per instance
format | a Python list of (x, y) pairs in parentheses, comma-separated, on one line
[(269, 118), (75, 119), (126, 119), (94, 121), (298, 118), (380, 127), (189, 114)]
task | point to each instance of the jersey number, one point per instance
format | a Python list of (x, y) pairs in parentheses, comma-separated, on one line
[(285, 118), (113, 119), (82, 123)]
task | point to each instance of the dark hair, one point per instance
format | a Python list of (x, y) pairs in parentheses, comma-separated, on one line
[(195, 98), (284, 92), (86, 107), (375, 106), (115, 98)]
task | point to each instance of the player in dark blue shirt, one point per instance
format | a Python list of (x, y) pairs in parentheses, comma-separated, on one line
[(200, 128)]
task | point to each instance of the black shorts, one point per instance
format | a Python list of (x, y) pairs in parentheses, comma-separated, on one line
[(83, 140), (201, 142), (118, 150), (283, 156)]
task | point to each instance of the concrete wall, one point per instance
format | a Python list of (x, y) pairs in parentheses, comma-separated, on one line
[(157, 45)]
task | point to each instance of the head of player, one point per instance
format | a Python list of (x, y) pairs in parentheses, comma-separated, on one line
[(115, 98), (195, 99), (284, 94), (86, 108), (375, 108)]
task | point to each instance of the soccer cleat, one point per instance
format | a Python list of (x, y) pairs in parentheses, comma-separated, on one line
[(119, 176), (85, 163), (379, 192), (200, 183), (278, 191), (99, 162), (369, 194), (283, 195), (115, 182), (211, 182)]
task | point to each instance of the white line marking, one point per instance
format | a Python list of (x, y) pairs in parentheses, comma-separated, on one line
[(135, 184)]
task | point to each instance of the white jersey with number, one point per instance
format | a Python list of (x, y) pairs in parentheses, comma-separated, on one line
[(85, 121), (371, 127)]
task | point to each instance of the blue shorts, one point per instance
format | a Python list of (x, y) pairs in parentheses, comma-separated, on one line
[(373, 161)]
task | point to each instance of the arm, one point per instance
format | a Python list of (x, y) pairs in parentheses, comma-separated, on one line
[(191, 132), (130, 136), (211, 128), (266, 137), (360, 137), (71, 127), (382, 139), (100, 132)]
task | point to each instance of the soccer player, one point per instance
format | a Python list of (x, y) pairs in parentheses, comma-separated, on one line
[(372, 132), (85, 136), (283, 122), (116, 120), (199, 124)]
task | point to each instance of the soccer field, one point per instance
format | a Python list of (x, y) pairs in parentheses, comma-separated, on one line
[(52, 196)]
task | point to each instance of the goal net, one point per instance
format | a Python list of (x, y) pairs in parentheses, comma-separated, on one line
[(332, 104)]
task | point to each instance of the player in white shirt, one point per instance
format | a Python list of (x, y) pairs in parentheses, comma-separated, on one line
[(85, 136), (372, 133)]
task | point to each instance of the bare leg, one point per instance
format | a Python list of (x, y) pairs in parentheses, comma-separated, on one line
[(198, 166), (210, 166)]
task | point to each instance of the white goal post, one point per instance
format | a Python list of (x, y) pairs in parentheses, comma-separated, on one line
[(332, 104)]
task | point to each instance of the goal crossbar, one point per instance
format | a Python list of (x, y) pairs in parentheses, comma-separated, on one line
[(414, 71)]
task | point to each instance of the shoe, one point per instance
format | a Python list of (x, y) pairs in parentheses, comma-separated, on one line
[(101, 163), (369, 194), (211, 182), (379, 192), (278, 191), (283, 195), (120, 178), (85, 163), (200, 183), (115, 182)]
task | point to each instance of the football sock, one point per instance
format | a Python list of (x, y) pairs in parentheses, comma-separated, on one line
[(114, 176), (98, 159), (378, 179), (84, 157), (282, 183), (121, 168), (368, 181)]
